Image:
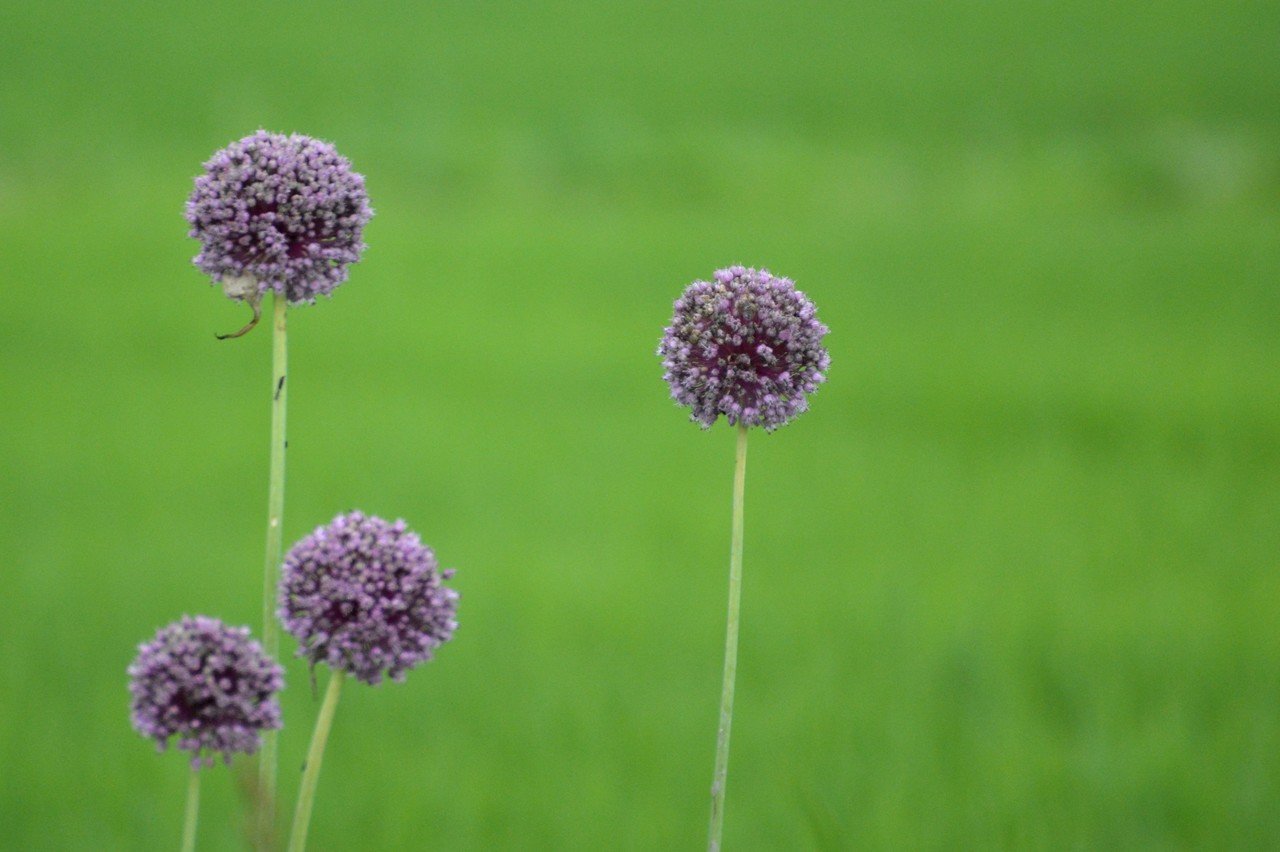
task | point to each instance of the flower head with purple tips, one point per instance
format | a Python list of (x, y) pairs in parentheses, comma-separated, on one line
[(364, 595), (282, 213), (207, 684), (746, 345)]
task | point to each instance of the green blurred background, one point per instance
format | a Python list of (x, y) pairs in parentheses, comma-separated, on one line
[(1012, 581)]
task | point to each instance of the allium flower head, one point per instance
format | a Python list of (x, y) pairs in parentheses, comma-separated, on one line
[(207, 684), (746, 345), (364, 595), (282, 213)]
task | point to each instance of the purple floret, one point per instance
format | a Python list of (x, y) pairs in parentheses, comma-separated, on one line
[(365, 596), (285, 211), (207, 684), (746, 345)]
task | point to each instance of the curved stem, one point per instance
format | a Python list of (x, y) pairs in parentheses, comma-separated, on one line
[(269, 761), (193, 811), (311, 771), (730, 646), (248, 327)]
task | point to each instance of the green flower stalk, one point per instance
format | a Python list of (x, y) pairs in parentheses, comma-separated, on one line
[(311, 769), (721, 774), (268, 765), (192, 813)]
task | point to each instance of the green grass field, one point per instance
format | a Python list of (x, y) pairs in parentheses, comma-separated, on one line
[(1012, 582)]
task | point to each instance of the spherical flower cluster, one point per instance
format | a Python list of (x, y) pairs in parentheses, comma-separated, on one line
[(746, 345), (365, 596), (207, 684), (282, 213)]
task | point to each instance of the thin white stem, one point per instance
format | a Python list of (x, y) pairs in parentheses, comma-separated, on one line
[(730, 647)]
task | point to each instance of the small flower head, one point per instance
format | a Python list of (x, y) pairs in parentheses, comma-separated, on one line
[(746, 345), (365, 596), (282, 213), (207, 684)]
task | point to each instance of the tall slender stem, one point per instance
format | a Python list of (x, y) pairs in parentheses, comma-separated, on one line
[(269, 761), (730, 646), (311, 771), (193, 811)]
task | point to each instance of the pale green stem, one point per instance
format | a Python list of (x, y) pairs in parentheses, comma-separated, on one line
[(730, 647), (269, 761), (193, 811), (311, 771)]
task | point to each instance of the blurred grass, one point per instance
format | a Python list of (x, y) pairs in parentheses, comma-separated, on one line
[(1011, 583)]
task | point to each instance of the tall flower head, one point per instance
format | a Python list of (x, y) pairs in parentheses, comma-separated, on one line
[(282, 213), (746, 345), (365, 596), (207, 684)]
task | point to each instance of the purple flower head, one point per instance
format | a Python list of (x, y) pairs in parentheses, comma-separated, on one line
[(746, 345), (282, 213), (207, 684), (364, 595)]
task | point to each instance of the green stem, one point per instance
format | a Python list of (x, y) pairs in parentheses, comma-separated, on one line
[(311, 771), (269, 761), (193, 811), (730, 647)]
